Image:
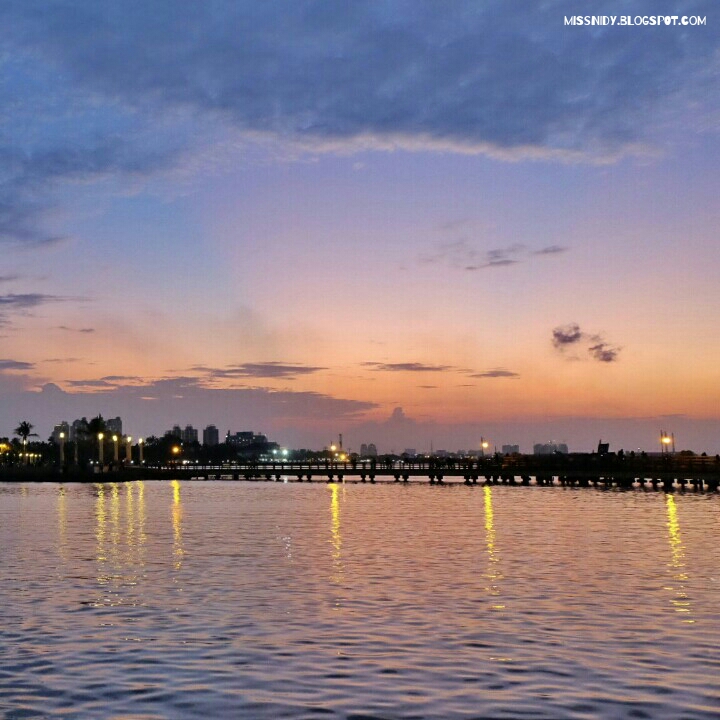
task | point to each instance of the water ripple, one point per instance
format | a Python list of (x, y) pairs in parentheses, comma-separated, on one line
[(183, 600)]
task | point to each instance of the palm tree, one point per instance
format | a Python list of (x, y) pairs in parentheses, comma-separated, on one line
[(24, 431)]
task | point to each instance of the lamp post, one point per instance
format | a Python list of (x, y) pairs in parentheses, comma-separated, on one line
[(140, 448), (115, 448), (484, 445), (665, 442), (128, 449), (101, 454), (62, 449)]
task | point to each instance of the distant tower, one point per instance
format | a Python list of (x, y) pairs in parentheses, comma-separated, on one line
[(340, 440)]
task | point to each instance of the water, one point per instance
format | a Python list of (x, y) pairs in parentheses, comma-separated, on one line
[(272, 600)]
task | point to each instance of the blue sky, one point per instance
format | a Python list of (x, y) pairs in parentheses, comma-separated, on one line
[(297, 217)]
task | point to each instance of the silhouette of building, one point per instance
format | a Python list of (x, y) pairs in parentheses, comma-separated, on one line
[(550, 448), (62, 427), (510, 449), (77, 429), (189, 434), (372, 450), (211, 436), (113, 426)]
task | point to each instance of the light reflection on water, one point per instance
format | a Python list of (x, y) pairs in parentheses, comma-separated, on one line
[(269, 600)]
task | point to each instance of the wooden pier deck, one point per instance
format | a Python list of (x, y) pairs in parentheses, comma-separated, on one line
[(666, 472)]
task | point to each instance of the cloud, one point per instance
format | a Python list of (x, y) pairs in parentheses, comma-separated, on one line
[(259, 370), (22, 303), (566, 335), (497, 373), (475, 76), (27, 300), (603, 352), (407, 367), (598, 348), (462, 254), (15, 365), (551, 250), (77, 330), (8, 278), (95, 90)]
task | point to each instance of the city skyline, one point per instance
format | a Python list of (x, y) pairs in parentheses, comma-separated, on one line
[(404, 222)]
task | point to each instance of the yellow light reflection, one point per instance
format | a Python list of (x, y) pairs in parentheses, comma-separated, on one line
[(493, 573), (680, 603), (178, 551), (130, 517), (141, 513), (115, 523), (62, 524), (100, 530), (335, 535)]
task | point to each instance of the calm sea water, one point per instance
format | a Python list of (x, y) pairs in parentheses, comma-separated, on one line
[(272, 600)]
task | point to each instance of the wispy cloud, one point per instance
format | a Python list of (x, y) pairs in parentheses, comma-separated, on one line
[(462, 254), (86, 87), (77, 330), (497, 373), (287, 371), (26, 301), (570, 335), (564, 335), (603, 351), (15, 365), (407, 367), (551, 250)]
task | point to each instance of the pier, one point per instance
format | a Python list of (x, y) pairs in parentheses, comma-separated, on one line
[(667, 472), (575, 470)]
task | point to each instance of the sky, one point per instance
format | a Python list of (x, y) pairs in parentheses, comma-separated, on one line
[(413, 223)]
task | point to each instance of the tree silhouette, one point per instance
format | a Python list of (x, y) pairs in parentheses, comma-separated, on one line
[(96, 425), (24, 431)]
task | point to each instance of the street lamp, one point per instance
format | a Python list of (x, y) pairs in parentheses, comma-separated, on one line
[(128, 449), (484, 445), (666, 441), (140, 448), (62, 449), (115, 449), (101, 454)]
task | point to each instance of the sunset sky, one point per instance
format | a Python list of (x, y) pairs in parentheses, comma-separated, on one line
[(408, 222)]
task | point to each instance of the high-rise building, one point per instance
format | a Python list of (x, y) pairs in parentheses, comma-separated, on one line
[(510, 449), (550, 448), (211, 436), (113, 426), (189, 434), (371, 450), (78, 429), (62, 427)]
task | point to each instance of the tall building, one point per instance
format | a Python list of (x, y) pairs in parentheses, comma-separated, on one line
[(113, 426), (550, 448), (78, 429), (189, 434), (371, 450), (62, 427), (510, 449), (211, 436)]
